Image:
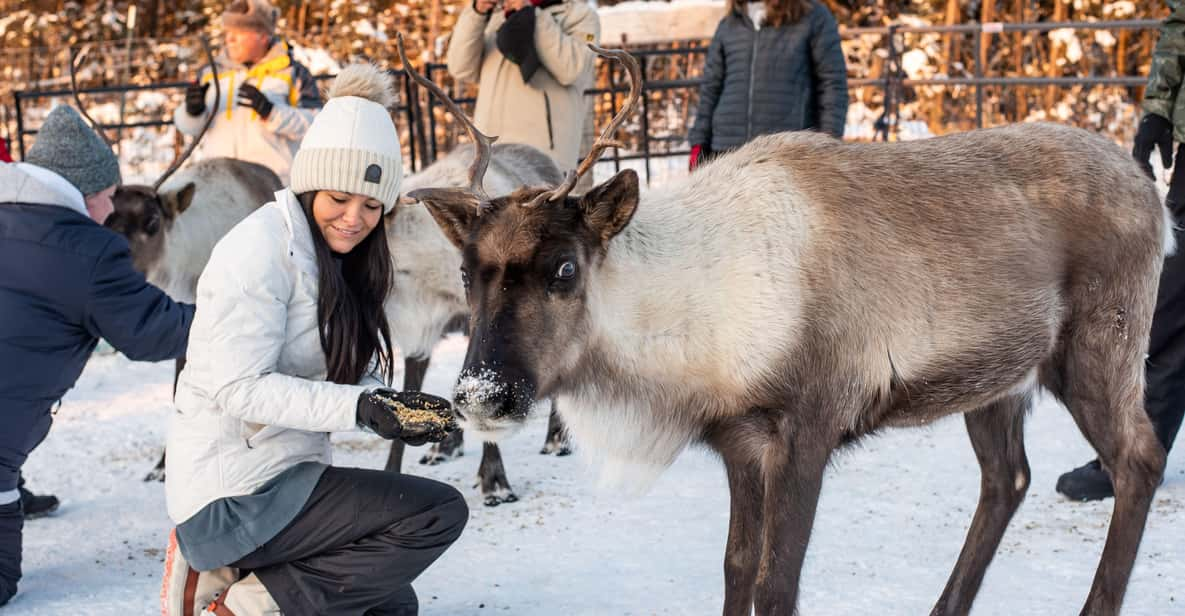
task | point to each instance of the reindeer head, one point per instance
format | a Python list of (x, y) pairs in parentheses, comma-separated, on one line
[(143, 215), (527, 262)]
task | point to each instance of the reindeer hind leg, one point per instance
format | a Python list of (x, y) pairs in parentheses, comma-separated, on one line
[(1101, 382), (997, 435)]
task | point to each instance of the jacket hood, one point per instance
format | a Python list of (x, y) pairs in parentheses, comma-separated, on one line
[(27, 183)]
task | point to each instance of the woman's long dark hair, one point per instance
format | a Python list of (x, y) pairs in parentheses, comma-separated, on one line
[(778, 12), (350, 316)]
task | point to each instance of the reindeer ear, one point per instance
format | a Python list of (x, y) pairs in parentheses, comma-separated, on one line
[(180, 200), (609, 207), (453, 208), (404, 201)]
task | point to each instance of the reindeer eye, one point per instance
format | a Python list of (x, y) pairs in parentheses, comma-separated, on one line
[(152, 225), (566, 271)]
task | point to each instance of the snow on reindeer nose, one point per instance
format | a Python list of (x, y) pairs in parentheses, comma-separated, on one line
[(479, 393)]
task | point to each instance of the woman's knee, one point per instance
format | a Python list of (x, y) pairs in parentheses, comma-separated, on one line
[(454, 513)]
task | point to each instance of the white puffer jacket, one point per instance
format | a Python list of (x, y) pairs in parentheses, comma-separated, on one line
[(252, 400)]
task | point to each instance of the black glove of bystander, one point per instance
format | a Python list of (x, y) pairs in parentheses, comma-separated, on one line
[(195, 98), (250, 96), (1155, 131)]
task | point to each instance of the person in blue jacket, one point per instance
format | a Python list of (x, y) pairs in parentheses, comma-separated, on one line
[(65, 282)]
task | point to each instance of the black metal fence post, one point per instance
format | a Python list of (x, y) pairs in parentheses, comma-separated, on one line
[(645, 122), (20, 125), (978, 43)]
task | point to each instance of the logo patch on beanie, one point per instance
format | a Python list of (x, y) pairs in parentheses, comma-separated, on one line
[(374, 174)]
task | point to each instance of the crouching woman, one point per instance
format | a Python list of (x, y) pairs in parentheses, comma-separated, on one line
[(288, 344)]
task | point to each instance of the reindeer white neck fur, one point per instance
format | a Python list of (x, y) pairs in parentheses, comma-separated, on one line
[(713, 244)]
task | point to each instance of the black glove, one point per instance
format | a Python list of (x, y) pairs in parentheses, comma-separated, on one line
[(411, 416), (1155, 132), (250, 96), (195, 98)]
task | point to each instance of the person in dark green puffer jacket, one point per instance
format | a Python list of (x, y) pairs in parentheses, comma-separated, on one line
[(773, 66), (1163, 122)]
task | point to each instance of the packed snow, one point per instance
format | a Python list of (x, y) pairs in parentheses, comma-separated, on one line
[(889, 527)]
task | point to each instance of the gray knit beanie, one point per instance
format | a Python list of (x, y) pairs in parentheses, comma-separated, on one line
[(71, 149)]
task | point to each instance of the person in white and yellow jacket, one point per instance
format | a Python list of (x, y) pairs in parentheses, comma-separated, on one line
[(290, 343), (532, 63), (267, 99)]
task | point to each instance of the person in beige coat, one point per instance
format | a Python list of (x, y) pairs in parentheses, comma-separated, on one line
[(532, 63)]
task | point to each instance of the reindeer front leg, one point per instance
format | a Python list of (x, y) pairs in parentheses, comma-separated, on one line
[(792, 473), (741, 555)]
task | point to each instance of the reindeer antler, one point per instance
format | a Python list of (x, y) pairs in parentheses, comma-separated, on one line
[(481, 142), (605, 140), (209, 119), (78, 99)]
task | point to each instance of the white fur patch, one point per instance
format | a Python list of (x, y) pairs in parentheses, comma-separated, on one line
[(626, 442), (489, 431), (1028, 385), (706, 291), (1170, 238)]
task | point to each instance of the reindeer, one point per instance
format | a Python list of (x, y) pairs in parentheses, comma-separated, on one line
[(800, 293), (173, 229), (427, 298)]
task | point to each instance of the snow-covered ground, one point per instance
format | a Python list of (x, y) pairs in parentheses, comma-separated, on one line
[(889, 527)]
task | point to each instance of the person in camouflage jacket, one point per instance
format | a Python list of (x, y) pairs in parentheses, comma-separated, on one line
[(1163, 123)]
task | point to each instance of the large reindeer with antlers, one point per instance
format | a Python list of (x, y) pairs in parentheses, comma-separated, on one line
[(799, 293)]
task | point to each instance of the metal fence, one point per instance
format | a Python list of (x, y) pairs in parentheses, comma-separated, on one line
[(404, 113), (426, 140)]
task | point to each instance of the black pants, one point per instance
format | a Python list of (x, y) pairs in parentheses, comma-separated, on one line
[(23, 426), (358, 544), (12, 520), (1165, 397)]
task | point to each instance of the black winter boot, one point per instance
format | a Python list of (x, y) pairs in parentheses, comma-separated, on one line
[(1088, 482), (37, 505)]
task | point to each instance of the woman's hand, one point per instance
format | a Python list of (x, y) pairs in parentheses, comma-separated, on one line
[(414, 417), (485, 7)]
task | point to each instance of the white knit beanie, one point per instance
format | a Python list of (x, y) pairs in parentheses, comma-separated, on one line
[(352, 145)]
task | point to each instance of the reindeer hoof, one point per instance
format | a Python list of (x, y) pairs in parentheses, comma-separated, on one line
[(499, 497), (556, 446), (432, 458), (156, 474)]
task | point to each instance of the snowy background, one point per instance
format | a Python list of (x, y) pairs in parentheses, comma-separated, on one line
[(889, 528)]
